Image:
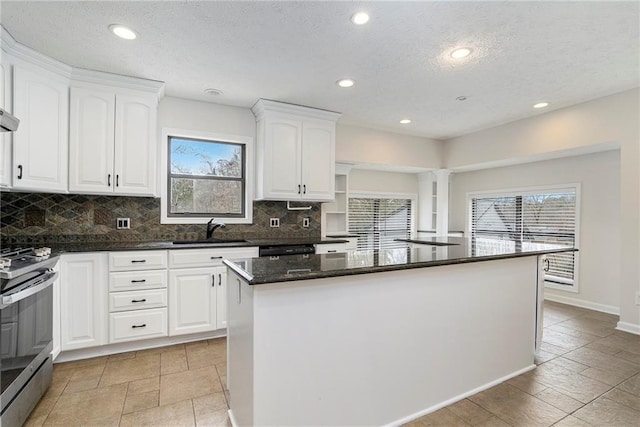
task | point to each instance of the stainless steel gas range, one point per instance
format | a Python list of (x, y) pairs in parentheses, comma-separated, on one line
[(26, 330)]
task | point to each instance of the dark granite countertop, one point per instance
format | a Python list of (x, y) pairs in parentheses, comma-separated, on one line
[(134, 246), (432, 252)]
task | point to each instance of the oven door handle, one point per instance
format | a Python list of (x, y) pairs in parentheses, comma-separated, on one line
[(37, 285)]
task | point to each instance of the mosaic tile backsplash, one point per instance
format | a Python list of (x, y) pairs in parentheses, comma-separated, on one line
[(27, 218)]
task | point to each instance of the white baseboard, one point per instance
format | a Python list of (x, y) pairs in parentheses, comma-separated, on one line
[(610, 309), (632, 328), (104, 350), (458, 398)]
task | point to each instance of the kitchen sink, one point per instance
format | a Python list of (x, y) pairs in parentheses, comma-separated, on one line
[(209, 241)]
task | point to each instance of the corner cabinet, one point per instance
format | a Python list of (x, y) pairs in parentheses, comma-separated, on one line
[(40, 145), (112, 143), (295, 152)]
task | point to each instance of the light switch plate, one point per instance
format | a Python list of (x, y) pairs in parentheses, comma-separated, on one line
[(274, 222), (123, 223), (306, 222)]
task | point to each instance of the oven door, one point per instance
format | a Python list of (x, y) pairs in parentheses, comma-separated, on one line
[(26, 331)]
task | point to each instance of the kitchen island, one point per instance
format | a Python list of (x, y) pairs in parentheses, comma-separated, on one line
[(379, 337)]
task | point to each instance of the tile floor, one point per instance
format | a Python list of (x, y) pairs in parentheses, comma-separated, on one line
[(588, 374)]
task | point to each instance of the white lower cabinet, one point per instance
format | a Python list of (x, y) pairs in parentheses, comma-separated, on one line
[(198, 288), (193, 293), (105, 297), (83, 300)]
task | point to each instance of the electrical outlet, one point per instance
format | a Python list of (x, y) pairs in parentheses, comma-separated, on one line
[(274, 222), (306, 222), (123, 223)]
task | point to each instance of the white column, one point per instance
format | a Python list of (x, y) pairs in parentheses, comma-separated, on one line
[(442, 187), (425, 201)]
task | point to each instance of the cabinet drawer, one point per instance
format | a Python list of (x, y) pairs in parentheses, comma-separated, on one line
[(187, 258), (137, 300), (136, 325), (137, 260), (136, 280), (331, 248)]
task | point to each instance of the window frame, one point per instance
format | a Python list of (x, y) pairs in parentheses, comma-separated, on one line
[(164, 176), (523, 191), (383, 195)]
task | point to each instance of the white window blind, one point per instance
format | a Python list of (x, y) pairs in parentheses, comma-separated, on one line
[(378, 222), (545, 217)]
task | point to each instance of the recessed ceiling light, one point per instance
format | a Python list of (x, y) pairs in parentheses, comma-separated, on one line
[(122, 31), (541, 105), (460, 53), (213, 92), (360, 18), (345, 83), (405, 121)]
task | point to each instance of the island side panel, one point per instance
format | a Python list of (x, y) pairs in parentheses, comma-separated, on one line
[(378, 348), (240, 345)]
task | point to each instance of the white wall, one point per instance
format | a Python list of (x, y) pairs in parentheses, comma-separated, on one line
[(369, 181), (609, 121), (207, 117), (599, 177), (356, 144)]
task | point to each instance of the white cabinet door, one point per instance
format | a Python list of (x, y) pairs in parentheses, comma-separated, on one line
[(83, 300), (5, 137), (221, 297), (135, 145), (192, 300), (91, 136), (281, 159), (41, 102), (318, 160)]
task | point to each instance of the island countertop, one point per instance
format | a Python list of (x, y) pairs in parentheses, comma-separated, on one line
[(420, 253)]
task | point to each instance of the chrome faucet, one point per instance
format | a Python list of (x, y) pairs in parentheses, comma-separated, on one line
[(212, 226)]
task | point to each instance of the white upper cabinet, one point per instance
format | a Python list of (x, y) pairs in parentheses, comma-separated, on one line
[(112, 142), (40, 145), (91, 140), (296, 152)]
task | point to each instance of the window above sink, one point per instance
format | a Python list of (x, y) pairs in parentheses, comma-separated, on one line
[(206, 175)]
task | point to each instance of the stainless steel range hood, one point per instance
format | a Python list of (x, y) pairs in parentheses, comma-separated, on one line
[(8, 123)]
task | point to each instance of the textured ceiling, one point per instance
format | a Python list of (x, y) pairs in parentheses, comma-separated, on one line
[(524, 52)]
